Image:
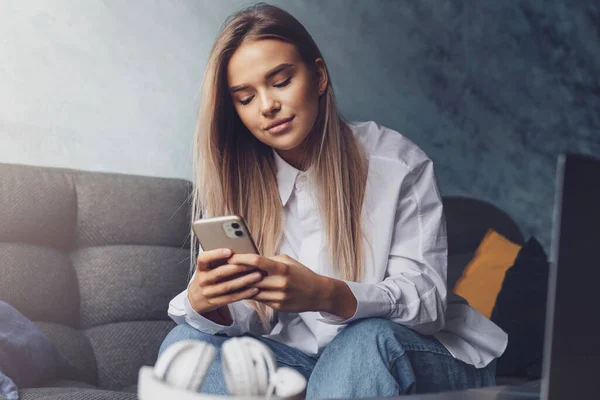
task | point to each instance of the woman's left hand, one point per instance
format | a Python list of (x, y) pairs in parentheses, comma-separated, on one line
[(290, 286)]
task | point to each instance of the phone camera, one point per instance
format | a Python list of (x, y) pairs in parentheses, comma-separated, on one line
[(235, 225), (239, 233)]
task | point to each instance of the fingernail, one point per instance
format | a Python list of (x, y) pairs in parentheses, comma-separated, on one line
[(226, 252)]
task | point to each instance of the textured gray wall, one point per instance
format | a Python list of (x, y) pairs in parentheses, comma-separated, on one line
[(491, 90)]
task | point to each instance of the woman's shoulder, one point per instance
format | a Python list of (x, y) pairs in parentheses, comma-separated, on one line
[(387, 145)]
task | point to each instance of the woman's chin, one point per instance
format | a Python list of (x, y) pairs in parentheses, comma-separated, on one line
[(285, 143)]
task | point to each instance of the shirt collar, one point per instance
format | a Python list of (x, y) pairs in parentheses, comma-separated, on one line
[(286, 177)]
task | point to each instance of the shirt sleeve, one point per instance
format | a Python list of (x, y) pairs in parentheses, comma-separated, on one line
[(245, 318), (413, 292)]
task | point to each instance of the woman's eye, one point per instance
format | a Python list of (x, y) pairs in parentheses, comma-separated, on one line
[(284, 83), (278, 85), (246, 101)]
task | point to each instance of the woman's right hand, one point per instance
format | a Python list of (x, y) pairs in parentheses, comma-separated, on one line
[(211, 288)]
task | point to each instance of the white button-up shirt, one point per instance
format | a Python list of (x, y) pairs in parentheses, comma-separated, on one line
[(404, 278)]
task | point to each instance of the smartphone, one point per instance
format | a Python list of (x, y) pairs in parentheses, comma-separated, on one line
[(229, 232)]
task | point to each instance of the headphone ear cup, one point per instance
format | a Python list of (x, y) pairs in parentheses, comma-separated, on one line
[(288, 382), (247, 366), (183, 365)]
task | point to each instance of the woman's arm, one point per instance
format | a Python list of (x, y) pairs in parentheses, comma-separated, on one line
[(414, 290), (243, 319), (338, 299)]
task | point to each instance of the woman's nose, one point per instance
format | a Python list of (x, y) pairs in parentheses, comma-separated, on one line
[(268, 104)]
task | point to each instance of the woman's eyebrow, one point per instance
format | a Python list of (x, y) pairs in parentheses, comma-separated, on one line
[(271, 73)]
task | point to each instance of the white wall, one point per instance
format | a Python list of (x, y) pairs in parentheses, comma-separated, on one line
[(101, 85)]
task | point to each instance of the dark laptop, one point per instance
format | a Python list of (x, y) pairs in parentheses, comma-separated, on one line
[(571, 356), (571, 363)]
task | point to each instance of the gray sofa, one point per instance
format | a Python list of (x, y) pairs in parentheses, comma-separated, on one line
[(94, 258)]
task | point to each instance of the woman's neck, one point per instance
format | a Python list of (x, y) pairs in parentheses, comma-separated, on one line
[(295, 157)]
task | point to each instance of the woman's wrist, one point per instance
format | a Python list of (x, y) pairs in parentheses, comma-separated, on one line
[(337, 298), (219, 316)]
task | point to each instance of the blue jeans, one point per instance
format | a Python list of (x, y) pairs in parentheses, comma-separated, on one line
[(369, 358)]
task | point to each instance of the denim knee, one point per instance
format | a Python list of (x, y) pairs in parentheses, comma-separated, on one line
[(186, 332), (370, 326), (367, 336), (368, 330), (388, 337)]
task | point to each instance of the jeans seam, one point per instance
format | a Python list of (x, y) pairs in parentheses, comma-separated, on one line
[(441, 350), (429, 350), (394, 359), (390, 367), (423, 350)]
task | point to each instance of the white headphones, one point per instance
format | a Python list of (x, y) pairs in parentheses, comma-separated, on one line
[(249, 369)]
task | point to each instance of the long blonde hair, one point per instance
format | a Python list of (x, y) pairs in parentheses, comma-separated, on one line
[(235, 173)]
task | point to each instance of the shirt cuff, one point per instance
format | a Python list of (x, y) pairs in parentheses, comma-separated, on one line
[(204, 324), (371, 302)]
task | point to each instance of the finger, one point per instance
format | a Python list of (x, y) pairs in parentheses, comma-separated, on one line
[(231, 298), (272, 282), (224, 272), (206, 257), (270, 296), (281, 257), (224, 288), (275, 305), (263, 263)]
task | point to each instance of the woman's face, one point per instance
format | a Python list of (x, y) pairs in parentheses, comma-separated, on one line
[(275, 94)]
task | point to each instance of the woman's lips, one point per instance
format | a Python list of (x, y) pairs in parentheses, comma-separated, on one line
[(281, 127)]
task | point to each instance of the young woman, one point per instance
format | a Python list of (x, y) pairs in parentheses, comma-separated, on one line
[(348, 219)]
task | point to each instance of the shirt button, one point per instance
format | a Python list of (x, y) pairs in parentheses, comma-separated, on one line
[(301, 182)]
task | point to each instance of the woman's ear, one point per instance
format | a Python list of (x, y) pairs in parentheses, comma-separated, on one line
[(321, 74)]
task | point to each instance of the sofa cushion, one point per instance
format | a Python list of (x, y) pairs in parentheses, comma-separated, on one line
[(76, 348), (456, 266), (481, 280), (40, 282), (122, 348), (118, 209), (37, 206), (27, 356), (521, 312), (468, 220), (8, 389), (74, 393), (121, 283), (67, 383)]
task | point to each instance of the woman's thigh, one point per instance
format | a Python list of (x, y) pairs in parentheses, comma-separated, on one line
[(186, 332), (291, 357), (434, 368), (390, 359)]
